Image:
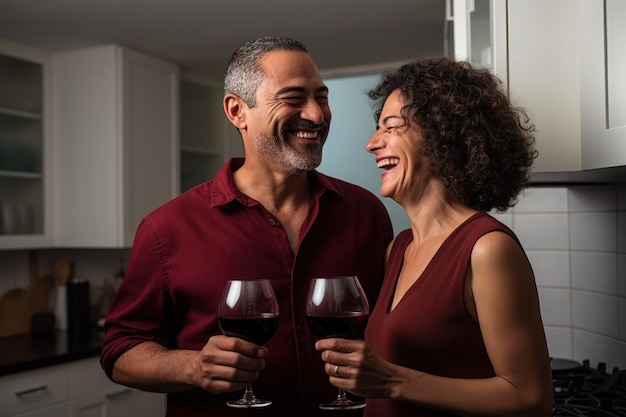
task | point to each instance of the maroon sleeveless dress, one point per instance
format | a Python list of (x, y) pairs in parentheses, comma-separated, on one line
[(430, 329)]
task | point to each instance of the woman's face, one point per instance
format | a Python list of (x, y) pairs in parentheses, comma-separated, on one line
[(397, 145)]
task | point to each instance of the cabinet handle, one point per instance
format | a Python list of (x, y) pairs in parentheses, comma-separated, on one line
[(118, 393), (31, 390)]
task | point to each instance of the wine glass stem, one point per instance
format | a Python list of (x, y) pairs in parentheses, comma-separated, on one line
[(248, 395), (341, 395)]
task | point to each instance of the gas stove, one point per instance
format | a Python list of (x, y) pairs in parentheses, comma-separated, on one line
[(581, 390)]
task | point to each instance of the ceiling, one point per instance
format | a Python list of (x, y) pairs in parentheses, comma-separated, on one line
[(200, 35)]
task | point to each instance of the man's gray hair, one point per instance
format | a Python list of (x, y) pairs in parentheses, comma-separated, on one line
[(244, 75)]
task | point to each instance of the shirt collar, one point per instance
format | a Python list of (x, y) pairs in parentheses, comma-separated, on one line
[(224, 191)]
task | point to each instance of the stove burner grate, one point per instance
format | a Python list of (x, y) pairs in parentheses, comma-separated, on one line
[(585, 391)]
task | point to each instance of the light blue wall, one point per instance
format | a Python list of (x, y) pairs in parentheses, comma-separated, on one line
[(352, 126)]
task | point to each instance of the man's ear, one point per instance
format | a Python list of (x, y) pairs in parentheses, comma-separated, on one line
[(234, 107)]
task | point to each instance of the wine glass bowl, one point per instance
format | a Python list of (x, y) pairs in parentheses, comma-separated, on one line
[(337, 307), (249, 310)]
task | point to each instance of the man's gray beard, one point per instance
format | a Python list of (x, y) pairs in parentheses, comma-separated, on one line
[(282, 153)]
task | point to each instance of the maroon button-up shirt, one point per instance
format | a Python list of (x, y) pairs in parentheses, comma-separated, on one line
[(186, 250)]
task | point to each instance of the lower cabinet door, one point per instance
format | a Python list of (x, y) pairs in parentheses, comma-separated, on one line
[(127, 402), (89, 406), (60, 410)]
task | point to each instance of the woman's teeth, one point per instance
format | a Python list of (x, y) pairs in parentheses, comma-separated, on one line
[(388, 163)]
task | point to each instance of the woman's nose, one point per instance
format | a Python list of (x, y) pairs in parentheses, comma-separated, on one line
[(374, 144)]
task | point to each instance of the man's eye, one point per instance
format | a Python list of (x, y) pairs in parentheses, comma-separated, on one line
[(322, 99), (294, 99)]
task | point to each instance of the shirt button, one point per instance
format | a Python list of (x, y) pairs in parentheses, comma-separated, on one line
[(272, 222)]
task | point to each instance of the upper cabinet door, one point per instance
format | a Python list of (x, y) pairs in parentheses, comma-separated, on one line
[(117, 143), (25, 158), (563, 61), (603, 82), (544, 77)]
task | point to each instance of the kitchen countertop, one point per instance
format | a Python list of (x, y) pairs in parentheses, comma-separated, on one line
[(31, 351)]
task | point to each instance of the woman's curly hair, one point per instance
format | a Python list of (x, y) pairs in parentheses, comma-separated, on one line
[(478, 143)]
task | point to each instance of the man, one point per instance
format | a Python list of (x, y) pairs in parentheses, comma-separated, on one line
[(270, 215)]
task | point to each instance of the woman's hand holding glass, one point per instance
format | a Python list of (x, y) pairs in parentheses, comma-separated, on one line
[(337, 308)]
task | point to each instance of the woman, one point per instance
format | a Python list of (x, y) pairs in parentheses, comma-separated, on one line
[(457, 328)]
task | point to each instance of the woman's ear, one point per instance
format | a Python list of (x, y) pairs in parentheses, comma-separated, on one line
[(234, 107)]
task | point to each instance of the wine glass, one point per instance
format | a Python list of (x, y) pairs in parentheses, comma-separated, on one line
[(249, 310), (337, 307)]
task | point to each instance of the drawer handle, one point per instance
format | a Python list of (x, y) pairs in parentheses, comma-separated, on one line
[(31, 391), (119, 393)]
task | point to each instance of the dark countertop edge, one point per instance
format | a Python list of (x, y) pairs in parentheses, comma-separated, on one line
[(29, 352), (44, 362)]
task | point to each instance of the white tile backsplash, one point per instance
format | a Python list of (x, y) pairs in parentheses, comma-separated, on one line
[(542, 231), (593, 231), (621, 275), (596, 198), (596, 348), (594, 271), (551, 268), (575, 239), (555, 306), (621, 231), (542, 199), (621, 196), (560, 342), (622, 318), (595, 312), (505, 218)]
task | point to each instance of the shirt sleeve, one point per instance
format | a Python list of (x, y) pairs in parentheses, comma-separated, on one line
[(141, 306)]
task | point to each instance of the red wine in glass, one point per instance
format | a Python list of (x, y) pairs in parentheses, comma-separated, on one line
[(258, 330), (348, 326), (337, 307), (249, 310)]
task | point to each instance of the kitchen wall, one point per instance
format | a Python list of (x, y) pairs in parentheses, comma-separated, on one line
[(93, 265), (575, 238)]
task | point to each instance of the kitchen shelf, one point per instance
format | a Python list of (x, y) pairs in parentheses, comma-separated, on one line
[(204, 140), (21, 174), (20, 113), (24, 167)]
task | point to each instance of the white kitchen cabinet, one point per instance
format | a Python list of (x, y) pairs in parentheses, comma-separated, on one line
[(125, 402), (567, 66), (564, 62), (32, 390), (603, 82), (93, 394), (116, 131), (207, 138), (544, 77), (25, 164), (75, 389)]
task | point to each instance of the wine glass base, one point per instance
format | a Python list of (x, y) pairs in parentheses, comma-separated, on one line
[(255, 403), (343, 405)]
